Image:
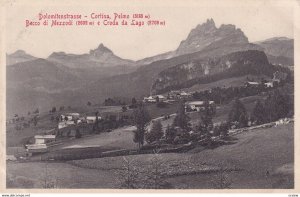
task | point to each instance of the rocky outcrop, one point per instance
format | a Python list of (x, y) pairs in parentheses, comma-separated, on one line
[(207, 33), (211, 69)]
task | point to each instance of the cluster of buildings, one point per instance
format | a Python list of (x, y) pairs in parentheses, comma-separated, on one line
[(197, 105), (172, 95), (256, 84), (75, 118), (40, 144), (277, 78), (178, 94), (154, 99)]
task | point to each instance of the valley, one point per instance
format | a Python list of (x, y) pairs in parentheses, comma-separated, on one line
[(217, 112)]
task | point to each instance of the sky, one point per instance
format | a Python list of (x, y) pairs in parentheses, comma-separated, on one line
[(257, 22)]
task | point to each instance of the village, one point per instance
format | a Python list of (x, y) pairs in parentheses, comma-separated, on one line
[(72, 125)]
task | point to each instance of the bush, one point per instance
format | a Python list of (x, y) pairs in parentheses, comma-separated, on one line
[(124, 108), (221, 130)]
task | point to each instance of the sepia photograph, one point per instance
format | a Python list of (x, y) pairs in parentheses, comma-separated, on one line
[(191, 95)]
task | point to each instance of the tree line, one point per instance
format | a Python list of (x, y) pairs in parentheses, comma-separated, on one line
[(275, 106)]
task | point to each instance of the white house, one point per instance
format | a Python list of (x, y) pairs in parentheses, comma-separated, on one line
[(43, 139), (161, 98), (196, 105), (269, 84), (149, 99), (92, 119), (62, 125), (185, 95), (70, 116), (251, 84)]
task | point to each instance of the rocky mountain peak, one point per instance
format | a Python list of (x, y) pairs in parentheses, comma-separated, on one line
[(101, 50), (201, 29), (210, 23), (207, 34)]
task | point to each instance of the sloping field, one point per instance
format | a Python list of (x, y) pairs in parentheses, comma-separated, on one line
[(229, 82), (266, 157), (263, 158)]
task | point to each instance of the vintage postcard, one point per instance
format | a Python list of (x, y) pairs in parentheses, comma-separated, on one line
[(162, 95)]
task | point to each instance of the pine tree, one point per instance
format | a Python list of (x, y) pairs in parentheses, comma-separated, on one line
[(278, 106), (206, 116), (77, 133), (258, 114), (155, 133), (141, 119), (133, 102), (269, 108), (181, 120), (238, 114), (170, 134)]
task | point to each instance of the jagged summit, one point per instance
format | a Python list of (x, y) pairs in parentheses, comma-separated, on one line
[(207, 33), (100, 50)]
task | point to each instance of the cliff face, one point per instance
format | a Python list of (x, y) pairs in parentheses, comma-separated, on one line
[(207, 69), (207, 33)]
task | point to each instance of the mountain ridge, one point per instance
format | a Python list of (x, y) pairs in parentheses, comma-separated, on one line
[(99, 57), (98, 74)]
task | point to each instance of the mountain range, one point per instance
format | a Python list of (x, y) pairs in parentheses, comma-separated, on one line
[(207, 54), (99, 57), (280, 50)]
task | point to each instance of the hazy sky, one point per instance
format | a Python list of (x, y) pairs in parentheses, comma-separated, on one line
[(257, 23)]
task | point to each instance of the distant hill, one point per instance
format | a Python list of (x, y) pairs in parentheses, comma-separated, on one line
[(149, 60), (280, 50), (18, 57), (99, 57), (34, 83), (41, 74)]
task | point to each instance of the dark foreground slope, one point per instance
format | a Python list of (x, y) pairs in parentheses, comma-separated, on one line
[(252, 154)]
